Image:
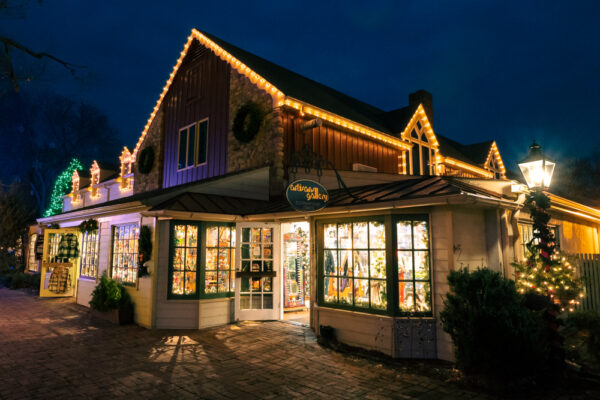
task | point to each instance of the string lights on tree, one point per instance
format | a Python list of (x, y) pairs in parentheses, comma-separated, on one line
[(546, 271), (62, 186)]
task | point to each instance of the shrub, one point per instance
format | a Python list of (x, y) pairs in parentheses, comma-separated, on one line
[(494, 334), (582, 338), (110, 294)]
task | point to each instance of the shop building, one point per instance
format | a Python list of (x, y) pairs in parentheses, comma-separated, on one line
[(209, 174)]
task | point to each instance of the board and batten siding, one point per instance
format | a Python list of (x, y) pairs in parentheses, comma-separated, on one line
[(199, 90), (337, 146)]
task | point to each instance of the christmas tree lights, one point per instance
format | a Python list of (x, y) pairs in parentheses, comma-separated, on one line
[(547, 271), (62, 186)]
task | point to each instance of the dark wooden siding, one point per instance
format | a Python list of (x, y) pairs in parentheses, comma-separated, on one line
[(339, 147), (200, 90)]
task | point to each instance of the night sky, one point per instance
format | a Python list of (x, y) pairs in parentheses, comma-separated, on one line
[(509, 72)]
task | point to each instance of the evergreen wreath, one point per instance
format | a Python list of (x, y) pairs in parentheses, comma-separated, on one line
[(247, 122), (89, 225), (145, 249), (146, 160)]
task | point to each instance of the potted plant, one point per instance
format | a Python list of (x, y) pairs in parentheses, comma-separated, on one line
[(110, 301)]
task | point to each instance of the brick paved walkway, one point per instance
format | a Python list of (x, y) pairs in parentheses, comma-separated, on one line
[(51, 349)]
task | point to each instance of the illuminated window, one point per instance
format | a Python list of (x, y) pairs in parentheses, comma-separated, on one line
[(32, 264), (353, 269), (193, 140), (413, 256), (184, 263), (89, 254), (220, 256), (422, 154), (125, 253), (202, 260)]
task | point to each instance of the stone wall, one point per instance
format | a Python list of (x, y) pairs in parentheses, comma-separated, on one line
[(155, 138), (267, 147)]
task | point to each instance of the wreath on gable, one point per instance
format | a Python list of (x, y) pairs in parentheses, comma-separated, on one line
[(146, 160), (247, 122)]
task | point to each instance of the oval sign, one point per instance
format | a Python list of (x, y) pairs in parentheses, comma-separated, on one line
[(307, 195)]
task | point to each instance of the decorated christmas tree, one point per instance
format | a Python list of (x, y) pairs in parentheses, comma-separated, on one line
[(547, 271), (62, 186)]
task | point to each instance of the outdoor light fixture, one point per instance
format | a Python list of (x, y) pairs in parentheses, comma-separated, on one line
[(536, 168)]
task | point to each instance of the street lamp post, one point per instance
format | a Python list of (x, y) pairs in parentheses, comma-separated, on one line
[(537, 169)]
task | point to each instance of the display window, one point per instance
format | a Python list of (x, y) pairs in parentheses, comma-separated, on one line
[(32, 264), (89, 255), (202, 259), (413, 266), (354, 272), (220, 255), (125, 253)]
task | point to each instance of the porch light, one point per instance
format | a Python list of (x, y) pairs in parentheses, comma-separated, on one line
[(536, 168)]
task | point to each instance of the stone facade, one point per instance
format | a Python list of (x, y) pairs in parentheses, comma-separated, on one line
[(267, 147), (155, 138)]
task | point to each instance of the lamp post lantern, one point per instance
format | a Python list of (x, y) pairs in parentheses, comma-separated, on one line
[(536, 168)]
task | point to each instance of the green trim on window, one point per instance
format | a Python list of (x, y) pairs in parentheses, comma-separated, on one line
[(412, 218), (230, 293), (369, 249), (200, 261)]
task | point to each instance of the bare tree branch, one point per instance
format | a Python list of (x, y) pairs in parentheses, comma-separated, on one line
[(8, 43)]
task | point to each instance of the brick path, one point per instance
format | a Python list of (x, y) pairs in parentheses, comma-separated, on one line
[(51, 349)]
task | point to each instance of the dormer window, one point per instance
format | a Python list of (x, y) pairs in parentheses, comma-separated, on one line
[(422, 155), (126, 174)]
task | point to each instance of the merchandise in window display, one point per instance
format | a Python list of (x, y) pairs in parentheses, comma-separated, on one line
[(414, 287), (295, 263), (220, 256), (355, 264)]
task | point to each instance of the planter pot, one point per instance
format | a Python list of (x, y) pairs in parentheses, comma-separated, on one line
[(118, 317)]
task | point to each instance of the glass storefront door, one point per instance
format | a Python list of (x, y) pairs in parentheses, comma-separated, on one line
[(257, 286), (296, 265)]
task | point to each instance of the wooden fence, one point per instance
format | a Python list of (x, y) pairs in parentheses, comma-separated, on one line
[(589, 270)]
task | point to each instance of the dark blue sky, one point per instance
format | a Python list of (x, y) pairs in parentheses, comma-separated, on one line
[(509, 72)]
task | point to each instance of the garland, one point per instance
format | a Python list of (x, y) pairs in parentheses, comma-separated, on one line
[(547, 271), (89, 225), (247, 121)]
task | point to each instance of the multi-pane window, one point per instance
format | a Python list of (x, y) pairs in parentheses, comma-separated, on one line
[(354, 264), (31, 261), (185, 260), (125, 252), (414, 281), (526, 234), (193, 145), (422, 154), (220, 256), (89, 254)]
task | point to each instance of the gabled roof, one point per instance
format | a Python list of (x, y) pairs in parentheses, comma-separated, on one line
[(308, 90)]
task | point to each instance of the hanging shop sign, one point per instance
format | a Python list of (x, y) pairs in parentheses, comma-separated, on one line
[(306, 195)]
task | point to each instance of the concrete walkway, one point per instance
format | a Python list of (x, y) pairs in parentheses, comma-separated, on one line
[(51, 349)]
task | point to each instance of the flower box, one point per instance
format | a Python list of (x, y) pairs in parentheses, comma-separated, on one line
[(117, 317)]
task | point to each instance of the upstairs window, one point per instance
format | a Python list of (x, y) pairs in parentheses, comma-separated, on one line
[(422, 155), (193, 140)]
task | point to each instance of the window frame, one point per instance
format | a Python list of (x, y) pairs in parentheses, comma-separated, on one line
[(200, 261), (413, 218), (196, 145), (232, 262), (386, 221), (112, 253), (96, 251), (522, 223)]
